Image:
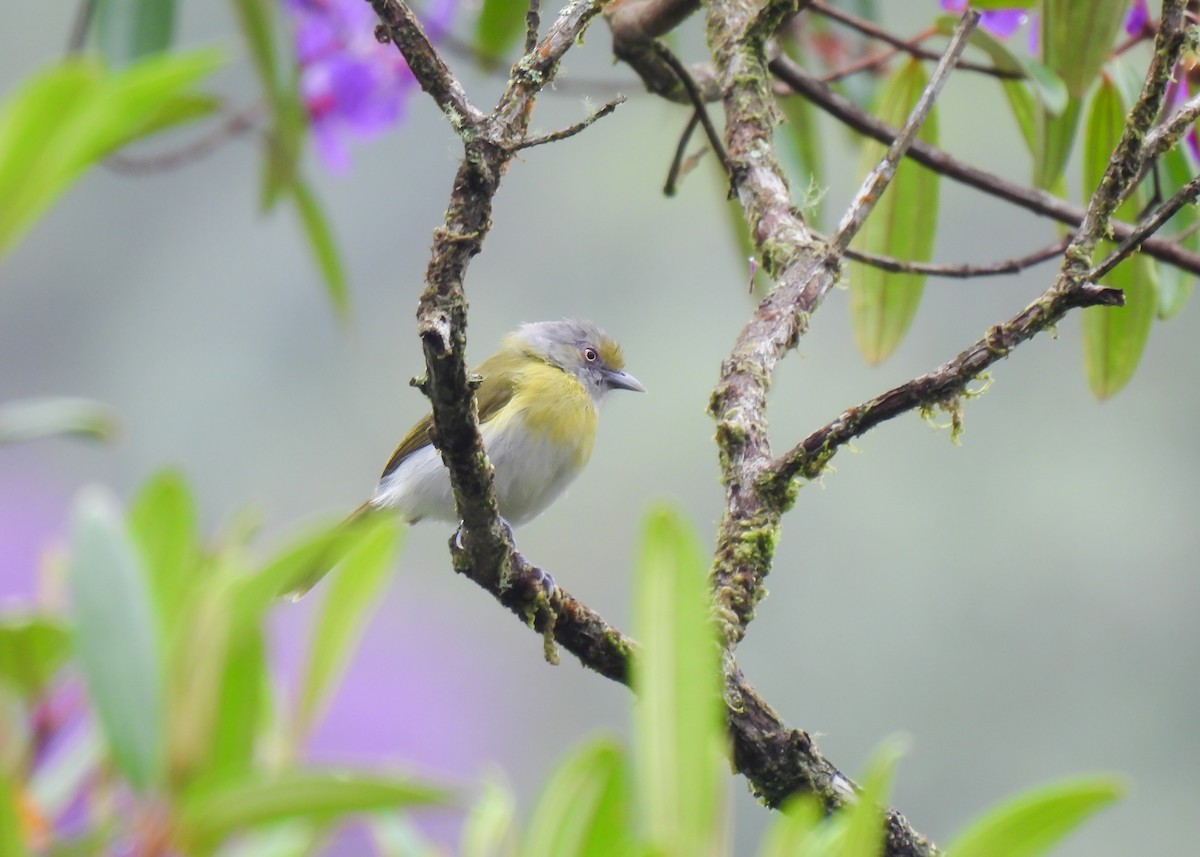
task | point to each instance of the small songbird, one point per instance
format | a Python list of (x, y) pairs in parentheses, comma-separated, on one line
[(538, 403)]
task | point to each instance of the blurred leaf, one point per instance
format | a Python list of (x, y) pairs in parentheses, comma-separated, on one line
[(207, 816), (183, 108), (27, 419), (288, 839), (64, 119), (679, 715), (1175, 285), (320, 241), (396, 836), (127, 30), (257, 20), (1050, 89), (1004, 4), (1115, 337), (488, 829), (903, 226), (1033, 822), (1077, 38), (58, 778), (353, 593), (16, 733), (584, 808), (864, 819), (12, 840), (793, 831), (240, 700), (294, 570), (163, 521), (1055, 136), (803, 143), (501, 23), (115, 640), (32, 648)]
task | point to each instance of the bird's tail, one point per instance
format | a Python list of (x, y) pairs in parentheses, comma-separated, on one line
[(332, 551)]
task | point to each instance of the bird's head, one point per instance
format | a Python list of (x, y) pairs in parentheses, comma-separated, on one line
[(582, 349)]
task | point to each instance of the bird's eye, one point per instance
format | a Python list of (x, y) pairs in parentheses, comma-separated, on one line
[(590, 355)]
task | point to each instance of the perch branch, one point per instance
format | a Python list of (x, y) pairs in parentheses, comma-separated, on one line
[(880, 177), (571, 130), (1186, 195), (1007, 266)]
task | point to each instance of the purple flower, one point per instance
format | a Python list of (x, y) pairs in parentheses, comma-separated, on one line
[(998, 22), (1135, 19), (351, 85)]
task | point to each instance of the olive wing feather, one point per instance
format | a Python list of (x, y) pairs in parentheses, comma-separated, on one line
[(495, 391)]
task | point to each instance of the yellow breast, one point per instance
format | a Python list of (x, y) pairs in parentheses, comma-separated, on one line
[(556, 405)]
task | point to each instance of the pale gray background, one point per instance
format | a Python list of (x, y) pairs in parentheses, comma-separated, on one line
[(1022, 606)]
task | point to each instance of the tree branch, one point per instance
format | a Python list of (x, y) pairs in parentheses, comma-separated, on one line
[(1037, 201), (963, 271)]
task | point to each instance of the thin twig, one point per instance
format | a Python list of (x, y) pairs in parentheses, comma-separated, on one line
[(908, 46), (572, 130), (962, 271), (878, 179), (673, 174), (693, 91), (234, 124), (533, 22), (943, 386), (1031, 199), (1166, 135), (80, 26), (1186, 195)]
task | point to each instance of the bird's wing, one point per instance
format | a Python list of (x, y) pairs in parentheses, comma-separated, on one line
[(495, 391)]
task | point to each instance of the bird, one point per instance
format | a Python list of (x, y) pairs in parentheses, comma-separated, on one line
[(539, 400)]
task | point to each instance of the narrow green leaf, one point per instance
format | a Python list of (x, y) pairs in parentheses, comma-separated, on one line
[(488, 829), (128, 30), (1175, 285), (863, 836), (180, 110), (1115, 337), (16, 732), (163, 522), (27, 419), (679, 714), (501, 23), (257, 19), (207, 816), (1055, 136), (12, 840), (353, 592), (803, 142), (1077, 38), (32, 648), (71, 115), (324, 249), (1035, 821), (289, 839), (584, 808), (241, 698), (115, 637), (903, 225), (794, 830)]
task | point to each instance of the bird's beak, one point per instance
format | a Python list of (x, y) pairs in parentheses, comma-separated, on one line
[(618, 380)]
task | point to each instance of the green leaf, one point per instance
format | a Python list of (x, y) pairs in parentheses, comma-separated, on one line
[(28, 419), (584, 807), (903, 226), (32, 648), (115, 637), (1055, 136), (352, 593), (12, 842), (1175, 285), (180, 110), (257, 20), (679, 714), (501, 23), (1004, 4), (128, 30), (488, 829), (799, 133), (324, 249), (207, 816), (864, 819), (1050, 89), (1077, 38), (794, 830), (241, 698), (73, 114), (163, 521), (1115, 337), (1035, 821), (395, 836)]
